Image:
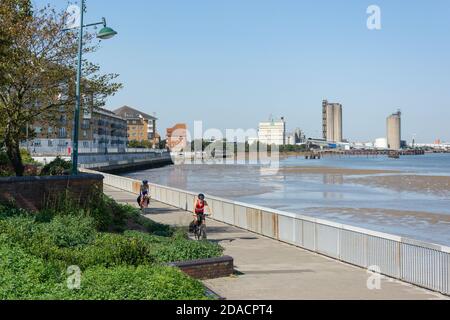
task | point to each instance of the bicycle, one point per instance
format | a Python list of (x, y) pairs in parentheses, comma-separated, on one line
[(200, 227), (145, 202)]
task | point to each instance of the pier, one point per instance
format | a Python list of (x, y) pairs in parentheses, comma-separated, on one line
[(319, 154)]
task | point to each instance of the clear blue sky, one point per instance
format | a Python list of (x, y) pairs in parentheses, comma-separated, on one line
[(232, 63)]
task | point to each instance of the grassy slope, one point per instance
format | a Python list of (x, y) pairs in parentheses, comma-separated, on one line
[(117, 264)]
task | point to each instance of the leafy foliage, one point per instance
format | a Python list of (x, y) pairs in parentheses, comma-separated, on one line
[(37, 73), (57, 167), (26, 277), (140, 144), (37, 249)]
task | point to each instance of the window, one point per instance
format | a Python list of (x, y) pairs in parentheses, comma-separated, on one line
[(85, 133), (86, 124), (50, 130), (85, 144), (62, 133), (50, 143), (38, 129)]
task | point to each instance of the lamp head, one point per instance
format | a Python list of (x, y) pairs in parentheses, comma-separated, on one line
[(106, 33)]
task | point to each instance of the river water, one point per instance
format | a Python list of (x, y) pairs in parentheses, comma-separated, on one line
[(418, 214)]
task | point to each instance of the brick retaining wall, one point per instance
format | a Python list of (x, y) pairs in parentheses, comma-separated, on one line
[(31, 193), (207, 268)]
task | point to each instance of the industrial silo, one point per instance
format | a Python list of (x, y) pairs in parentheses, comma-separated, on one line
[(394, 131)]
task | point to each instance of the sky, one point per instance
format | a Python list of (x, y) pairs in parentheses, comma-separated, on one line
[(234, 63)]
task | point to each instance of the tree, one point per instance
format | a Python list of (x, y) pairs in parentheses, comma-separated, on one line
[(145, 144), (38, 65)]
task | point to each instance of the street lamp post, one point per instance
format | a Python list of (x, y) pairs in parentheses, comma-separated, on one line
[(104, 33)]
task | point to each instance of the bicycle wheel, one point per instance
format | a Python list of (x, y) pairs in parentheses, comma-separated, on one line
[(196, 233), (202, 234)]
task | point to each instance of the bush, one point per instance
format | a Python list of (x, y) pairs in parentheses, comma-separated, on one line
[(74, 244), (27, 158), (8, 210), (18, 230), (155, 228), (23, 276), (57, 167), (5, 165), (107, 250), (107, 214), (37, 249), (6, 169), (71, 231), (185, 250), (177, 248), (136, 283), (4, 160)]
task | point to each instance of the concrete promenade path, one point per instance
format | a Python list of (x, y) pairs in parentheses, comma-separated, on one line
[(269, 269)]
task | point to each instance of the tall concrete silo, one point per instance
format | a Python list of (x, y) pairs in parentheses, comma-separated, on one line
[(394, 131), (337, 109), (332, 121)]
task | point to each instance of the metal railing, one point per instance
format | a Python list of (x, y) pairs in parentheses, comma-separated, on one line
[(423, 264)]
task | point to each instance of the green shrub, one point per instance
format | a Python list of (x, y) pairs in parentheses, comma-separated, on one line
[(177, 248), (71, 231), (26, 157), (25, 277), (8, 210), (185, 250), (154, 227), (57, 167), (4, 159), (138, 283), (107, 214), (107, 250), (18, 229), (37, 249)]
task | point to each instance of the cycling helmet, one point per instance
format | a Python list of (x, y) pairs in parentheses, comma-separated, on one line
[(145, 182), (201, 196)]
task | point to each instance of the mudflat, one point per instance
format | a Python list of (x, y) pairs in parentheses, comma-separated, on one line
[(333, 170), (437, 185), (381, 213)]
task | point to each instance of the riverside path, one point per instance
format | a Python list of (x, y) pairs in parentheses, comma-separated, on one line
[(267, 269)]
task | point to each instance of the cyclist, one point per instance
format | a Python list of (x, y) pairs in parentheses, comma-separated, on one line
[(199, 214)]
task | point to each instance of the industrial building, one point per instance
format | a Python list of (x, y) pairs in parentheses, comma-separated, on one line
[(272, 132), (296, 137), (394, 131), (332, 121)]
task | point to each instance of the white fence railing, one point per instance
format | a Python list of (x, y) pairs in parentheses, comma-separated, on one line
[(419, 263)]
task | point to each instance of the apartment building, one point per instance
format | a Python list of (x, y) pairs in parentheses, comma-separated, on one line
[(141, 127), (99, 130)]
